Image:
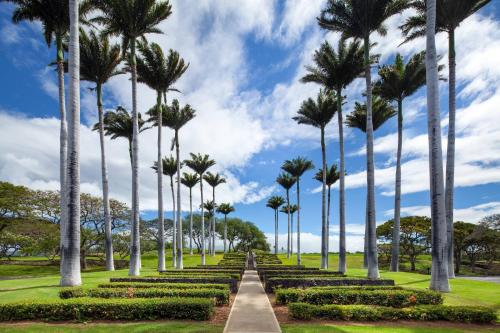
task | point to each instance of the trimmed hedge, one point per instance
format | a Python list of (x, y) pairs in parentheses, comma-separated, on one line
[(164, 285), (205, 271), (233, 283), (467, 314), (392, 298), (358, 288), (84, 309), (304, 282), (282, 267), (236, 276), (264, 275)]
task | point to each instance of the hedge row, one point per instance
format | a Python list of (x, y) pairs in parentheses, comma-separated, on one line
[(84, 309), (357, 288), (392, 298), (236, 276), (221, 296), (164, 285), (304, 282), (228, 266), (233, 283), (265, 275), (274, 267), (467, 314), (204, 271)]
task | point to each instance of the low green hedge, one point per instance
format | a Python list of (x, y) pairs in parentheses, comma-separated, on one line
[(201, 274), (304, 282), (204, 271), (467, 314), (266, 274), (233, 283), (84, 309), (164, 285), (392, 298), (357, 288)]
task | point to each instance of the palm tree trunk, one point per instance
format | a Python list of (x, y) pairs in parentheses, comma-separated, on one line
[(159, 175), (203, 259), (365, 239), (289, 239), (298, 222), (372, 257), (450, 153), (276, 231), (71, 268), (342, 246), (190, 221), (225, 232), (213, 223), (439, 269), (63, 144), (328, 221), (397, 195), (174, 225), (324, 236), (135, 246), (180, 264), (108, 236), (291, 234)]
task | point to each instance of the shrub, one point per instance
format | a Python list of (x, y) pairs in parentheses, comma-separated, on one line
[(266, 274), (233, 283), (71, 292), (164, 285), (344, 296), (236, 276), (84, 309), (465, 314), (308, 281)]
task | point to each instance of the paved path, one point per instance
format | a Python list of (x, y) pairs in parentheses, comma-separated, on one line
[(495, 279), (251, 311)]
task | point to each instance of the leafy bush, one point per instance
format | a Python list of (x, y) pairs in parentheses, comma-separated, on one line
[(164, 285), (465, 314), (266, 274), (201, 274), (205, 271), (233, 283), (84, 309), (391, 298), (308, 281), (281, 267), (75, 292)]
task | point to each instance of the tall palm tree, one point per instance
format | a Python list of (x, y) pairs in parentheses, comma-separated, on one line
[(159, 73), (225, 209), (398, 81), (318, 114), (332, 175), (169, 168), (210, 207), (286, 181), (175, 118), (382, 111), (449, 15), (335, 70), (275, 202), (99, 61), (213, 180), (132, 20), (358, 19), (290, 209), (296, 167), (54, 18), (200, 164), (190, 180)]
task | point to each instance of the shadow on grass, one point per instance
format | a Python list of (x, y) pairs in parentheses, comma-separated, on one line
[(32, 287)]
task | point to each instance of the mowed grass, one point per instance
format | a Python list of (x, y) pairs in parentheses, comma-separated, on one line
[(463, 292), (361, 328)]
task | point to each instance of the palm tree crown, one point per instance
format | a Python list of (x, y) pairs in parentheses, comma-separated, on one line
[(332, 175), (214, 179), (199, 163), (190, 179), (317, 113), (175, 117), (209, 205), (286, 180), (275, 202), (169, 166), (382, 111), (297, 166), (225, 208), (285, 208), (335, 70)]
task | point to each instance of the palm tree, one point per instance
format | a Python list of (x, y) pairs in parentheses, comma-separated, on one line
[(275, 202), (449, 15), (225, 209), (132, 19), (190, 180), (382, 111), (169, 168), (296, 167), (358, 19), (159, 73), (119, 124), (200, 164), (99, 61), (332, 175), (286, 181), (54, 18), (210, 207), (335, 70), (290, 209), (318, 114), (213, 180), (398, 81)]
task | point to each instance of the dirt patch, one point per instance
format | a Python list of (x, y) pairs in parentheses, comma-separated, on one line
[(222, 312)]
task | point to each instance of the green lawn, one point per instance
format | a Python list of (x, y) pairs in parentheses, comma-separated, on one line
[(305, 328)]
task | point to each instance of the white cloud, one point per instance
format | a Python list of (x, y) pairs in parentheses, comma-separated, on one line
[(298, 16), (311, 243)]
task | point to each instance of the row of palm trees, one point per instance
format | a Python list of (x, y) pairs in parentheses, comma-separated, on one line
[(334, 70)]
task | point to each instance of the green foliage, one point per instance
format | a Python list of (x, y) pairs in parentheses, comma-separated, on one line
[(465, 314), (345, 296), (83, 309), (233, 283), (164, 285), (308, 281)]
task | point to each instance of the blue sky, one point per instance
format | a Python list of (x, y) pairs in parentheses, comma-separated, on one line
[(246, 59)]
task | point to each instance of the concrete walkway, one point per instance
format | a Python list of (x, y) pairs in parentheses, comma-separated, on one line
[(251, 311)]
